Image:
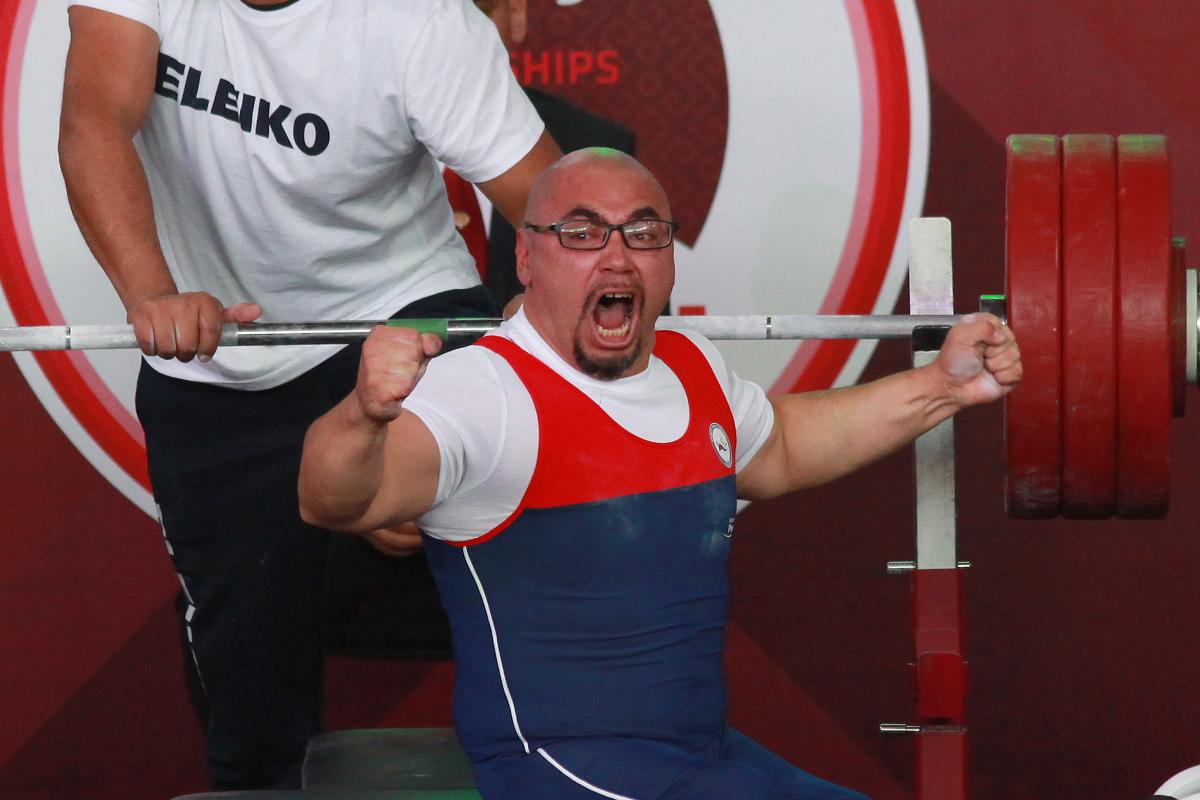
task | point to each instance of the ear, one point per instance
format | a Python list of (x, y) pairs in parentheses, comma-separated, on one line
[(518, 21), (524, 270)]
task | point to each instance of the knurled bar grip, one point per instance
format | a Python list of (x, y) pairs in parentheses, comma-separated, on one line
[(813, 326)]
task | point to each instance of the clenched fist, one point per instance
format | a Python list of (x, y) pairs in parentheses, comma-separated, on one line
[(980, 359), (393, 361)]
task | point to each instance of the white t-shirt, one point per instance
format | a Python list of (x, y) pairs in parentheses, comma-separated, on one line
[(291, 156), (487, 432)]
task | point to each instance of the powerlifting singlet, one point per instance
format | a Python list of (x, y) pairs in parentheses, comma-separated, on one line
[(597, 609)]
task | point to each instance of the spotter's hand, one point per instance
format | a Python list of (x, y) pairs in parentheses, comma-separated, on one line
[(393, 361), (980, 360), (184, 326), (398, 541)]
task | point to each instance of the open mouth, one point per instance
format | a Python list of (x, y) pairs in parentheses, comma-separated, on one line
[(613, 314)]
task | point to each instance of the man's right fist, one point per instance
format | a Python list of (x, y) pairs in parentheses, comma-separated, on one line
[(393, 361)]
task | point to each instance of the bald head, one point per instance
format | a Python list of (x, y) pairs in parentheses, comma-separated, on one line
[(585, 173)]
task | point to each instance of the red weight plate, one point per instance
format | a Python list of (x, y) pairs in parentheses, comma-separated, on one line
[(1144, 388), (1089, 335), (1032, 423), (1179, 325)]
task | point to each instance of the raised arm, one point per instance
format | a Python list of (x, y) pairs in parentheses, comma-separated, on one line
[(108, 88), (368, 463), (821, 436)]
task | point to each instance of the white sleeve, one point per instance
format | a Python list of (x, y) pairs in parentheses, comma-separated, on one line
[(486, 432), (461, 98), (460, 401), (753, 415), (143, 11)]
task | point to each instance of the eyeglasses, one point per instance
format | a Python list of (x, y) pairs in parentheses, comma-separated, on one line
[(588, 234)]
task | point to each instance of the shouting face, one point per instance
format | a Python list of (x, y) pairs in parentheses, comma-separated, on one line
[(597, 307)]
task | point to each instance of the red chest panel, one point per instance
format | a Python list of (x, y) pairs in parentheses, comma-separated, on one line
[(583, 455)]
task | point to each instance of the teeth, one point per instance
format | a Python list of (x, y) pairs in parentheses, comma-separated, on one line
[(612, 333)]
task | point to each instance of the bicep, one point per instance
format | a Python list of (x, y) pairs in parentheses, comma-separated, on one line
[(759, 479), (789, 458), (410, 474), (110, 73)]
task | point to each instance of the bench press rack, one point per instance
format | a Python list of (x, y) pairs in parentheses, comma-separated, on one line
[(940, 667)]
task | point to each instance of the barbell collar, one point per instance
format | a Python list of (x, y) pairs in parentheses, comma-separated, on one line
[(1191, 349)]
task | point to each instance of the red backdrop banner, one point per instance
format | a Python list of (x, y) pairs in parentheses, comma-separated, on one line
[(1081, 635)]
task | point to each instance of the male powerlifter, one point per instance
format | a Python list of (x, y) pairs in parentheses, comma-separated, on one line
[(579, 526)]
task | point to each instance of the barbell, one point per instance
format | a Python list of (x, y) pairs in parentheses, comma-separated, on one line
[(1096, 291), (779, 327)]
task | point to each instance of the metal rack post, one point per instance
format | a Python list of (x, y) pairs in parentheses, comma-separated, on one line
[(939, 670)]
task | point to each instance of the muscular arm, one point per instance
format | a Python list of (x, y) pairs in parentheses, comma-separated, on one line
[(820, 436), (509, 191), (107, 91), (106, 94), (368, 463)]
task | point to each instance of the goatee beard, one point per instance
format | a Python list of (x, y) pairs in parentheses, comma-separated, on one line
[(606, 369)]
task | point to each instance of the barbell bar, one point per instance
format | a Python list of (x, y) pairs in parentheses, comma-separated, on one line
[(775, 327)]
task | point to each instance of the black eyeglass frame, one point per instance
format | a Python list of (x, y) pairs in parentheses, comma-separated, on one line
[(556, 228)]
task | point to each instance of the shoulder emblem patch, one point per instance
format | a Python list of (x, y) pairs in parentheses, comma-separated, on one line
[(720, 443)]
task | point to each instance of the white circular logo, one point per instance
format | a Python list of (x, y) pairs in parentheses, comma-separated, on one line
[(720, 443), (823, 161)]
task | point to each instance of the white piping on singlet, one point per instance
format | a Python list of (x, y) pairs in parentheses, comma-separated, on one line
[(512, 709), (579, 780)]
